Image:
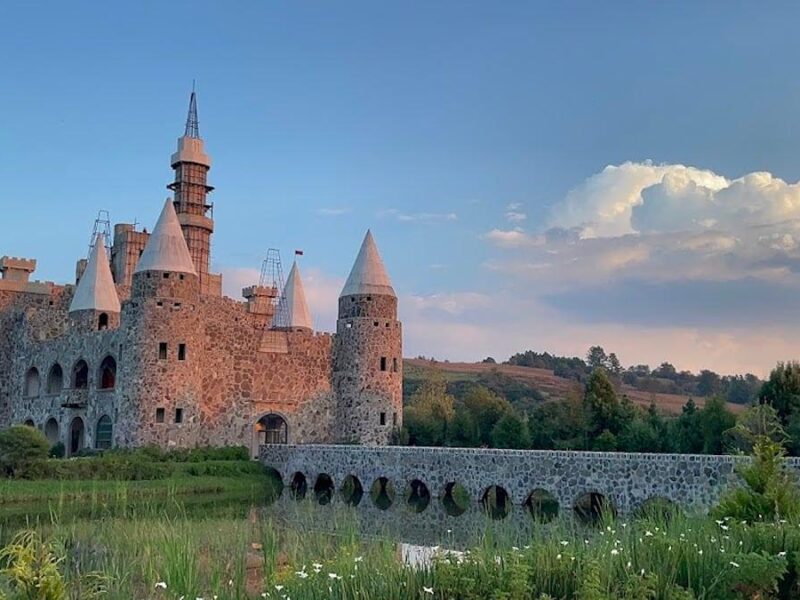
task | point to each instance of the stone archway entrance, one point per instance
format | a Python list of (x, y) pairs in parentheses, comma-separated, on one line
[(270, 429), (77, 436)]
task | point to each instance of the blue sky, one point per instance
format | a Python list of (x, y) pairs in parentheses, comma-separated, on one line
[(473, 137)]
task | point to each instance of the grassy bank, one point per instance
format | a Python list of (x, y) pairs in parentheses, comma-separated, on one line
[(254, 557)]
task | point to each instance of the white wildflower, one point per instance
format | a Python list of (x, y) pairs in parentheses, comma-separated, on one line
[(614, 552), (427, 590), (733, 564), (162, 585), (279, 587)]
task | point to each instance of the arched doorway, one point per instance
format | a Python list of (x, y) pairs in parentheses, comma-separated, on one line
[(51, 430), (77, 436), (107, 378), (270, 429)]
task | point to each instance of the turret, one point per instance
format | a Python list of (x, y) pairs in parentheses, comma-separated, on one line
[(191, 165), (295, 309), (368, 354), (95, 304), (165, 268)]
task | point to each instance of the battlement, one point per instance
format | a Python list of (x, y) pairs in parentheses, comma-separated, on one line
[(14, 268)]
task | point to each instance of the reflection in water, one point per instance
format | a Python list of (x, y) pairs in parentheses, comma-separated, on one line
[(400, 521), (382, 493)]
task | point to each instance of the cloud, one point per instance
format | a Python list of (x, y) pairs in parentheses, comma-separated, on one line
[(514, 214), (421, 217), (333, 211)]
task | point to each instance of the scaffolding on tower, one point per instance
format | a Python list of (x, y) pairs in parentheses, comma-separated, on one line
[(272, 277), (102, 224)]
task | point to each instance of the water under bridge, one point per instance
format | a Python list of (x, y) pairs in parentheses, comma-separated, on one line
[(623, 482)]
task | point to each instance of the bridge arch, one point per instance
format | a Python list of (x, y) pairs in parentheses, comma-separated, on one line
[(352, 491), (382, 493), (542, 505), (592, 506), (496, 502), (298, 485), (417, 495), (324, 489)]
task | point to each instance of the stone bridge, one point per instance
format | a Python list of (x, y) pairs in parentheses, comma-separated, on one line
[(573, 479)]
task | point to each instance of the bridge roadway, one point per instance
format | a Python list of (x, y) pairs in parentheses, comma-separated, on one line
[(626, 480)]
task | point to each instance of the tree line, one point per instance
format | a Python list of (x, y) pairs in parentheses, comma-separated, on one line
[(600, 419), (664, 379)]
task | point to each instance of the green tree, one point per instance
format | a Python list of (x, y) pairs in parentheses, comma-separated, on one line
[(21, 446), (430, 411), (714, 419), (782, 390), (605, 442), (602, 404), (596, 357), (487, 408), (510, 431), (688, 432), (464, 431), (708, 383)]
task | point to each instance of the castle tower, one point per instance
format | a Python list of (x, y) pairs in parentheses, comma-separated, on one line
[(298, 317), (161, 370), (191, 165), (368, 354), (165, 268), (95, 305)]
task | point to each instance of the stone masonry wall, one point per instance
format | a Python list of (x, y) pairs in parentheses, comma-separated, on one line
[(627, 480), (368, 369)]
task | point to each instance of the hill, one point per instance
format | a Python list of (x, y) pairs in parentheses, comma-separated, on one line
[(525, 386)]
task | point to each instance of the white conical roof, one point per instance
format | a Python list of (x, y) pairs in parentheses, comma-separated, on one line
[(96, 290), (297, 313), (166, 250), (368, 275)]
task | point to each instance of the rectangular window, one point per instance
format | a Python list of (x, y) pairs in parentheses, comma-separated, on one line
[(383, 363), (394, 419), (181, 351), (179, 415), (383, 418), (162, 350), (394, 365), (159, 415)]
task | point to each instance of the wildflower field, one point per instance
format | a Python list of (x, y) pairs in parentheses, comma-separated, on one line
[(155, 553)]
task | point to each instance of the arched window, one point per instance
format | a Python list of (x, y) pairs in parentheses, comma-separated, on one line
[(108, 373), (80, 375), (272, 429), (76, 436), (51, 430), (32, 382), (102, 321), (55, 379), (29, 423), (103, 434)]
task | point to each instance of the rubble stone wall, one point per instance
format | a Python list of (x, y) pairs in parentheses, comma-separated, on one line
[(627, 480)]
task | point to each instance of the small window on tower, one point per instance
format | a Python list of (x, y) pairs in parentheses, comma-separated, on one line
[(383, 363), (179, 415), (376, 323), (181, 276), (159, 415), (166, 275), (162, 350), (102, 322), (383, 418), (394, 365), (394, 419), (181, 351)]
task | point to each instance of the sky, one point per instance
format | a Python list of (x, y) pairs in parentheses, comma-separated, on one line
[(544, 176)]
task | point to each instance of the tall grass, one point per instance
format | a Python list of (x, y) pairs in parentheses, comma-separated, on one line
[(235, 555)]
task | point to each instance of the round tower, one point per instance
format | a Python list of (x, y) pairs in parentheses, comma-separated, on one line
[(95, 305), (368, 354)]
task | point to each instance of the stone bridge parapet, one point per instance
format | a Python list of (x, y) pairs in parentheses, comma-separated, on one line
[(627, 480)]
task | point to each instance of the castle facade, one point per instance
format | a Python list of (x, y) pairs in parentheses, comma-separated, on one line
[(145, 349)]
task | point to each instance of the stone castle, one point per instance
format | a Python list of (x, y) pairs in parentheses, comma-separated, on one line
[(145, 349)]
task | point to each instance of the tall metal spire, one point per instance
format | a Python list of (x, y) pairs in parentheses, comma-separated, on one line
[(192, 125)]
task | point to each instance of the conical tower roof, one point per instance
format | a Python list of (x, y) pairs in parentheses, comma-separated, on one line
[(297, 314), (166, 250), (96, 290), (368, 275)]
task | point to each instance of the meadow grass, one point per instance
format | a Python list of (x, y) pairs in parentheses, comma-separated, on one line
[(233, 556)]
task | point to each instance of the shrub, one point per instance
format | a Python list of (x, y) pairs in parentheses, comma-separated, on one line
[(57, 451), (770, 491), (20, 446)]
